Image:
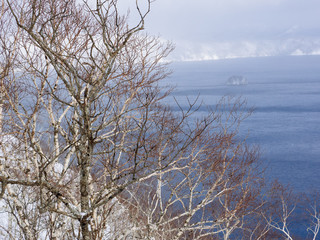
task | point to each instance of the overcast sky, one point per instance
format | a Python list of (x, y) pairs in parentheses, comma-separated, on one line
[(214, 29)]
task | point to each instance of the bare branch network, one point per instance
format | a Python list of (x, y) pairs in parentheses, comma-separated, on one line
[(88, 149)]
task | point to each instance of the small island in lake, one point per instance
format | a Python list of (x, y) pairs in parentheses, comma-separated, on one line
[(237, 80)]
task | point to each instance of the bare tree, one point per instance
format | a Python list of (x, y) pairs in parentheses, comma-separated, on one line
[(280, 210), (283, 208), (89, 84), (212, 192), (86, 138), (8, 51), (315, 219)]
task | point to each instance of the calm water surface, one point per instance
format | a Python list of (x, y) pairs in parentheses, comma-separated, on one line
[(285, 92)]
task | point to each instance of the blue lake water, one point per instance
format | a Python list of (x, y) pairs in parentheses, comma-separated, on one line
[(285, 92)]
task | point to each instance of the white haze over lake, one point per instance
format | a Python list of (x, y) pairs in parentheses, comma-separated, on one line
[(216, 29)]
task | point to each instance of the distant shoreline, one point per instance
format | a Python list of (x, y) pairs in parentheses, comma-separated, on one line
[(247, 58)]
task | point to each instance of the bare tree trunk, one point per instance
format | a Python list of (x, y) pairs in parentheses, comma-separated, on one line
[(1, 102), (84, 191)]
